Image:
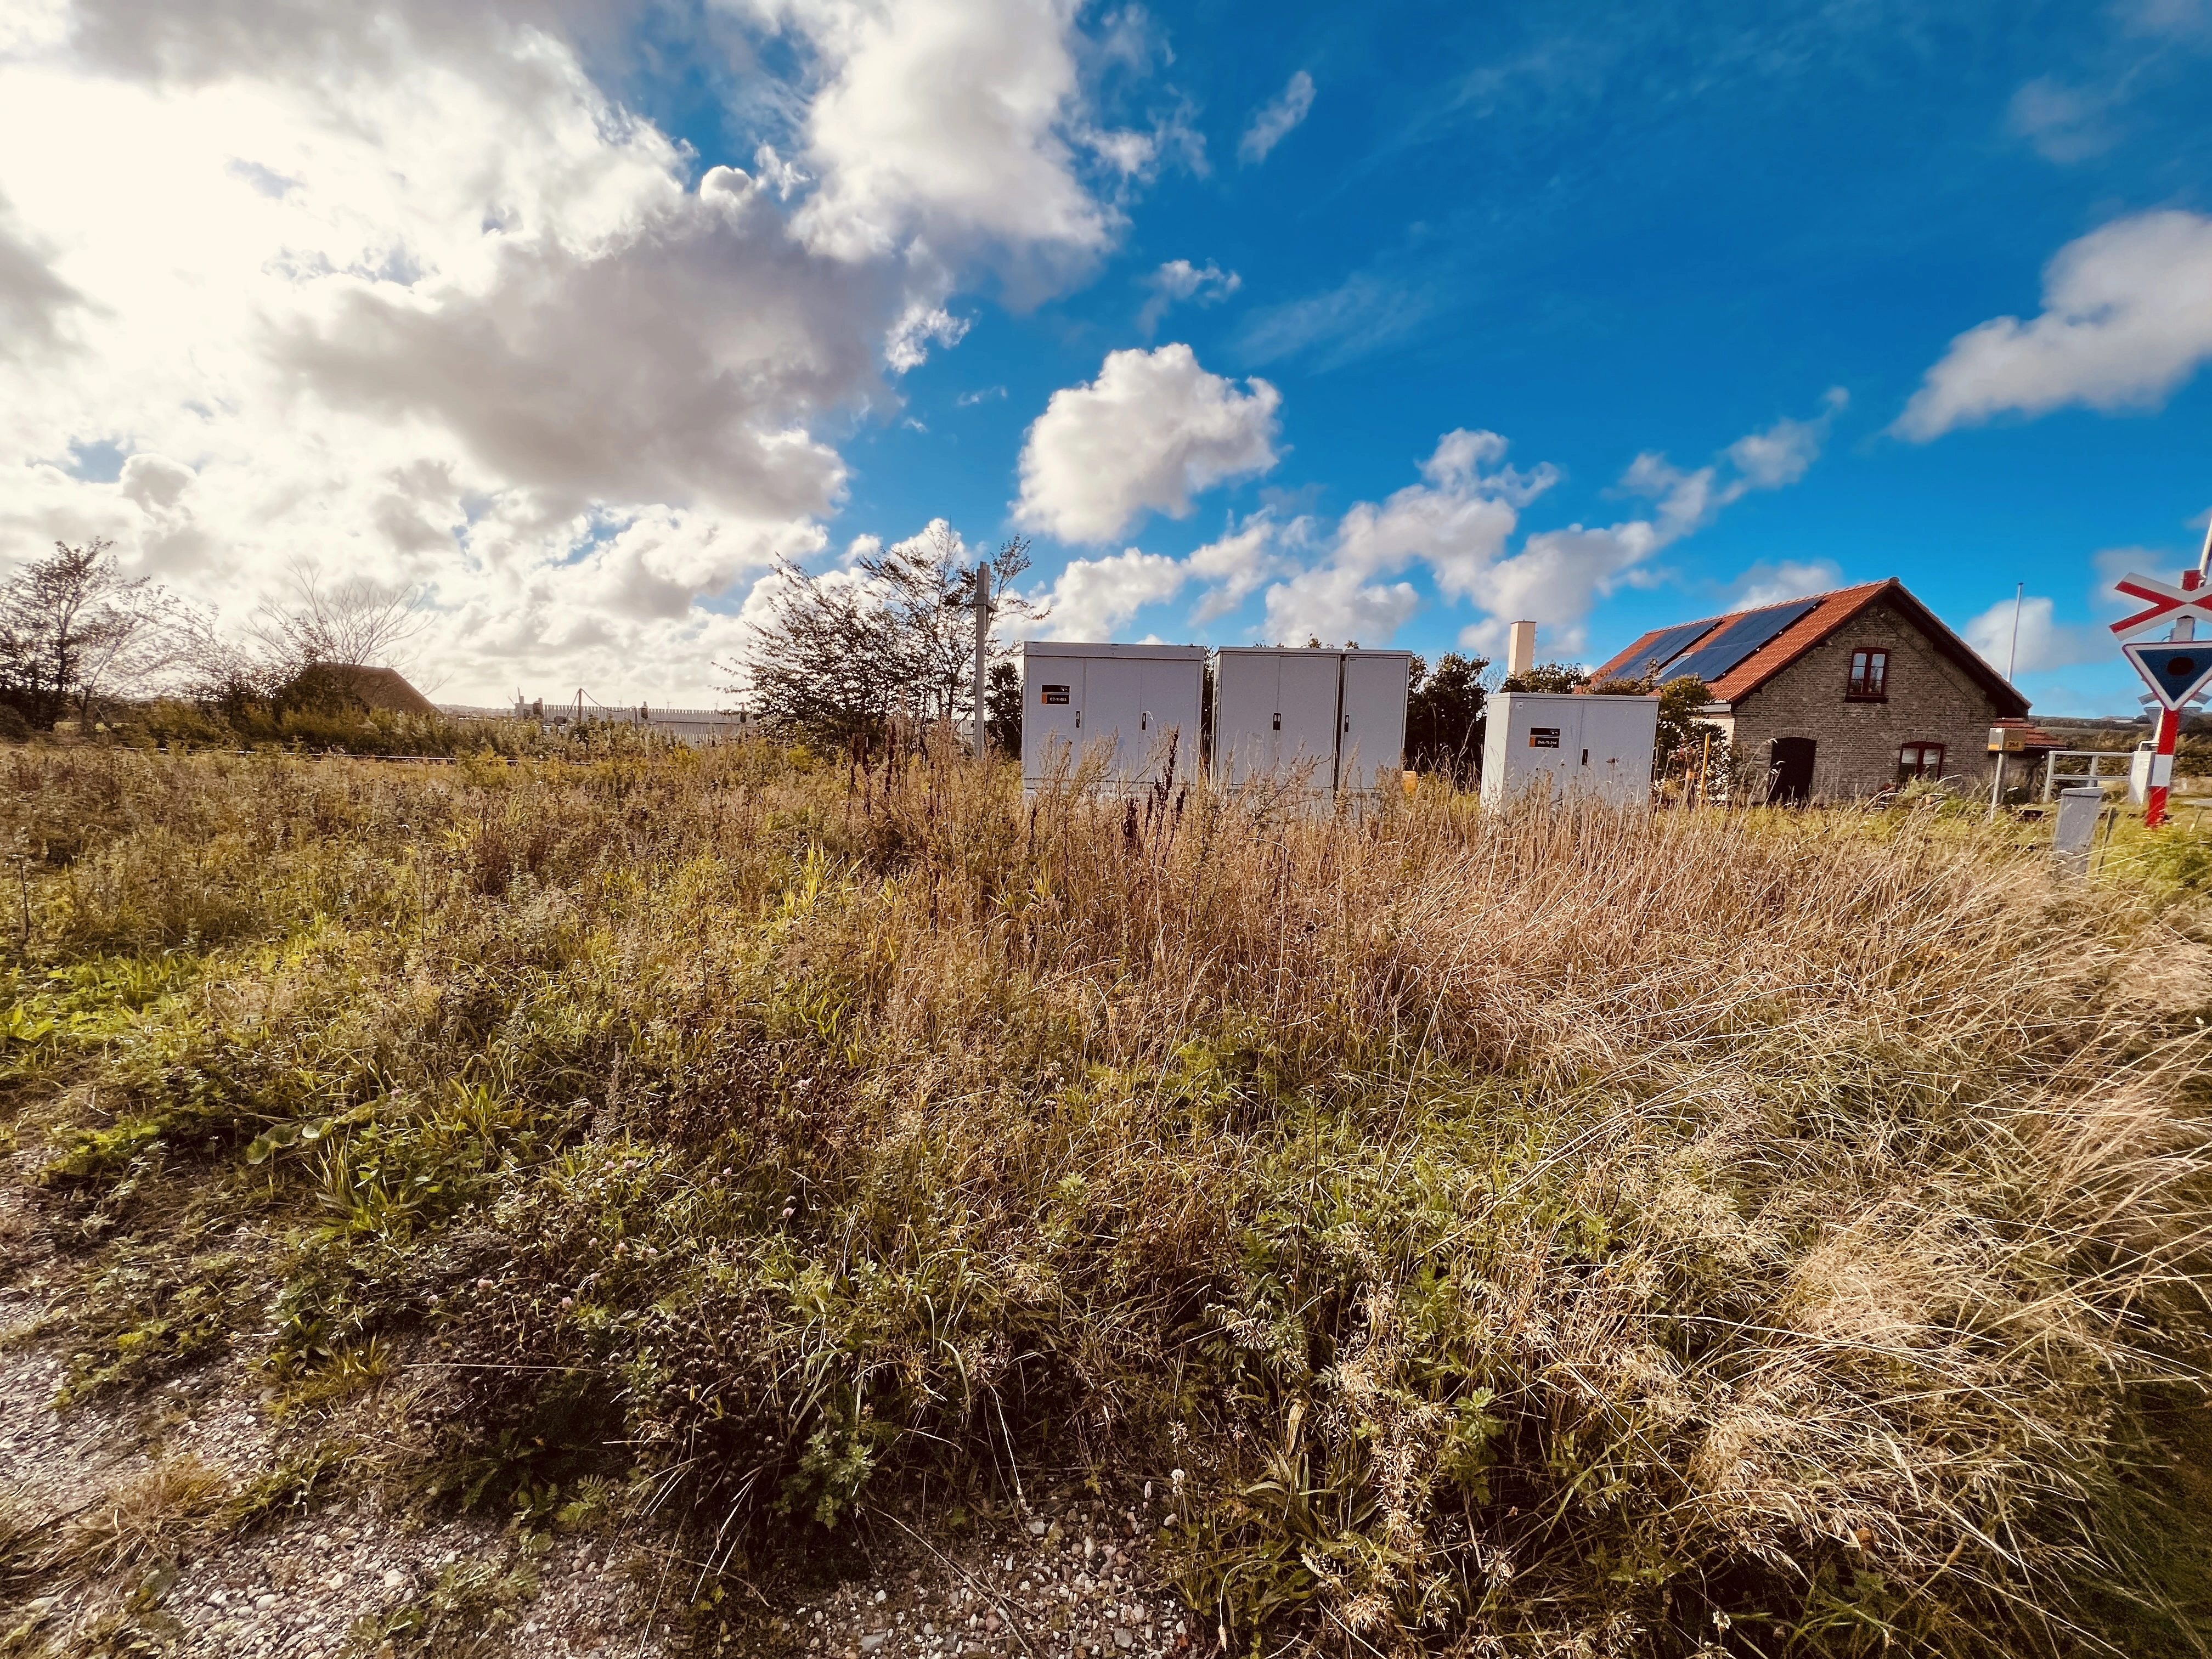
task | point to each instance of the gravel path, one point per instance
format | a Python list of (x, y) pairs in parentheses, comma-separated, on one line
[(1068, 1578), (1073, 1581)]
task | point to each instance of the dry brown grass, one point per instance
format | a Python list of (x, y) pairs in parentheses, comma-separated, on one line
[(1581, 1232)]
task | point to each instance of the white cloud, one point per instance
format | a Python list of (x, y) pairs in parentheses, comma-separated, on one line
[(1364, 314), (1179, 279), (2126, 318), (1765, 584), (1333, 603), (1273, 119), (1235, 563), (2064, 124), (1092, 599), (907, 345), (1459, 523), (1152, 430), (397, 288), (2044, 642), (952, 131), (1784, 452)]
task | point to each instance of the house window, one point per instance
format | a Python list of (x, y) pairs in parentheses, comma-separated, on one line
[(1870, 677), (1919, 760)]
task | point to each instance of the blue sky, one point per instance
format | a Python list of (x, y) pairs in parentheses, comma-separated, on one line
[(1738, 237)]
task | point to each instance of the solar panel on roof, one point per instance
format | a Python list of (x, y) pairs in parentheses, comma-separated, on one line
[(1728, 647), (1669, 644)]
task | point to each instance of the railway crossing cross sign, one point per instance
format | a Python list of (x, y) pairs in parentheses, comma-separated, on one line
[(2163, 602)]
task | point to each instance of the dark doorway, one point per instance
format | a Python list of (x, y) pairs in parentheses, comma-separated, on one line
[(1790, 764)]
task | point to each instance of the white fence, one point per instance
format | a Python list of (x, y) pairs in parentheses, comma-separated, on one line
[(691, 725)]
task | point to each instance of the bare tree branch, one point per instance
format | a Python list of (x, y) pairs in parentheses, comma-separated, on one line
[(356, 622)]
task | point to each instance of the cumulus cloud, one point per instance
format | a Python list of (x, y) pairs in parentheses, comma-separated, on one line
[(955, 126), (398, 288), (2126, 318), (1154, 428), (1459, 523), (2045, 641), (1235, 563), (1764, 584), (1092, 599), (907, 345), (1179, 279), (1273, 121)]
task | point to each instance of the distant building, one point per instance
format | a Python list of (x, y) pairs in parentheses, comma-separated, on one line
[(375, 688), (1839, 694)]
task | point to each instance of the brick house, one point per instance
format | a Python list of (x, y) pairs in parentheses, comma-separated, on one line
[(1840, 695)]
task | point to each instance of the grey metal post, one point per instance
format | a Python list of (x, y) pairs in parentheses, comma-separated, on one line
[(982, 651), (2078, 811)]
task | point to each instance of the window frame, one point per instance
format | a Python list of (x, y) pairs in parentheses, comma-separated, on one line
[(1920, 769), (1877, 662)]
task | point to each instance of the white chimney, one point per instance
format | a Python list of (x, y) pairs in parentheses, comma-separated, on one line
[(1520, 648)]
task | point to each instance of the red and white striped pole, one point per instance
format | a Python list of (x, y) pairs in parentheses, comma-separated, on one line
[(2169, 720), (2161, 767)]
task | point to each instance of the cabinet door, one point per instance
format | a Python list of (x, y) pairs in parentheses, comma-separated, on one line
[(1167, 722), (1244, 715), (1051, 700), (1372, 728), (1114, 714), (1617, 737), (1306, 710)]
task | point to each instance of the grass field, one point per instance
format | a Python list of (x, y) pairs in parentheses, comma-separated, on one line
[(1748, 1233)]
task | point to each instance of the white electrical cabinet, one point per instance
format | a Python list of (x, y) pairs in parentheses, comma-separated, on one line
[(1130, 708), (1330, 720), (1559, 744)]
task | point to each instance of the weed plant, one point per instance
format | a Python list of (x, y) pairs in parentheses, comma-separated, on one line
[(1571, 1232)]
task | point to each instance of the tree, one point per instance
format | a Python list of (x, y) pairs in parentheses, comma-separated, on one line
[(1678, 748), (74, 632), (1548, 677), (1443, 716), (357, 621), (1002, 709), (1683, 738), (843, 655)]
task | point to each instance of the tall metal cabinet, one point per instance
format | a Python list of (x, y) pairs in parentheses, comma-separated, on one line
[(1131, 709), (1335, 719)]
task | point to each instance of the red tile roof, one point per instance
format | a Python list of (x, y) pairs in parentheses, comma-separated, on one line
[(1832, 612)]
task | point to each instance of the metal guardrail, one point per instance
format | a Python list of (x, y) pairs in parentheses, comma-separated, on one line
[(2052, 777)]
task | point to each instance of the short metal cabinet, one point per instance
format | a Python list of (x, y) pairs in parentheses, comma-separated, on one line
[(1559, 744)]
